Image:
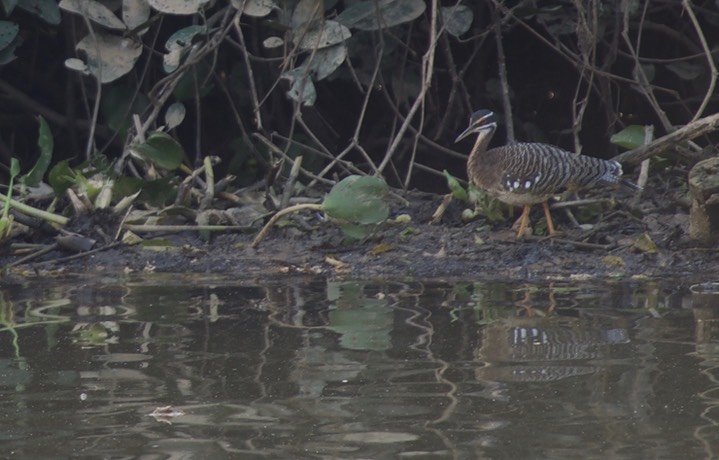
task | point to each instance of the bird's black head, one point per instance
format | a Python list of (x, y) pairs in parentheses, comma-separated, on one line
[(481, 120)]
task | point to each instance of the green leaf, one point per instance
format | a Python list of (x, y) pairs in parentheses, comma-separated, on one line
[(355, 232), (6, 220), (194, 83), (162, 150), (686, 70), (455, 187), (118, 105), (14, 168), (178, 43), (174, 115), (8, 6), (94, 11), (47, 10), (8, 32), (325, 61), (157, 193), (255, 8), (108, 56), (302, 89), (184, 7), (375, 15), (46, 144), (457, 19), (7, 54), (327, 33), (358, 199), (630, 137), (62, 176), (9, 41)]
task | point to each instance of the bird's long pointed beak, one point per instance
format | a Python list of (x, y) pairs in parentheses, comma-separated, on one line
[(465, 133)]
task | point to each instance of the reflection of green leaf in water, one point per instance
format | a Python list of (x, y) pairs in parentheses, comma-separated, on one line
[(363, 323), (92, 334), (363, 328), (7, 319)]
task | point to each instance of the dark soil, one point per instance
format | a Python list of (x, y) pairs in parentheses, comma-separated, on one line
[(649, 239)]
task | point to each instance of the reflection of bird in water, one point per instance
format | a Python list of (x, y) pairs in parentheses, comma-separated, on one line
[(524, 174)]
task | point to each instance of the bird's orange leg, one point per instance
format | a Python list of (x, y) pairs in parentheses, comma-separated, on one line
[(550, 224), (523, 221)]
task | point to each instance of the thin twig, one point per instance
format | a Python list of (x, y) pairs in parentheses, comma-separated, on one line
[(354, 143), (644, 170), (710, 59), (274, 149), (33, 256), (80, 255), (584, 202), (137, 228), (427, 72), (502, 70), (98, 91), (162, 91), (266, 229), (639, 73), (290, 183)]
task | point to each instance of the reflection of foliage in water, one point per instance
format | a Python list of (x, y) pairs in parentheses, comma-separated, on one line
[(364, 323), (7, 319)]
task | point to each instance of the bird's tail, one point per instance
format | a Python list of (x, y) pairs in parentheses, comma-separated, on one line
[(614, 174), (629, 184)]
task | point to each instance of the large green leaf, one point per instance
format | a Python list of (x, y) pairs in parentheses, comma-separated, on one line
[(95, 12), (328, 33), (118, 105), (630, 137), (47, 10), (358, 199), (9, 41), (162, 150), (302, 89), (183, 7), (255, 8), (109, 57), (157, 193), (46, 144), (374, 15), (178, 43), (686, 70), (8, 32), (457, 19), (196, 82)]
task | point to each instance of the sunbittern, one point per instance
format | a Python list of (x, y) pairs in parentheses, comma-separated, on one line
[(527, 173)]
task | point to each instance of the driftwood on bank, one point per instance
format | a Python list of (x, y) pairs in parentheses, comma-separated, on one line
[(692, 130)]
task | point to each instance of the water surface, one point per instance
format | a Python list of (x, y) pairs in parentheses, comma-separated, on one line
[(173, 367)]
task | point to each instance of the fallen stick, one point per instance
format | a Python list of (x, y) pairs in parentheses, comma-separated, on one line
[(692, 130)]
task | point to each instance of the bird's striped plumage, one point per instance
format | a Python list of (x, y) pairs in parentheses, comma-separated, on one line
[(523, 174)]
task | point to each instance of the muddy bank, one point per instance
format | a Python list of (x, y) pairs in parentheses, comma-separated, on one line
[(649, 239)]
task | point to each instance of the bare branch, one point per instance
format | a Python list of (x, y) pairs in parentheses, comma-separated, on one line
[(710, 60)]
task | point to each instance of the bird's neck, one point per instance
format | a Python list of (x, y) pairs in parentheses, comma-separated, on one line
[(480, 146)]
